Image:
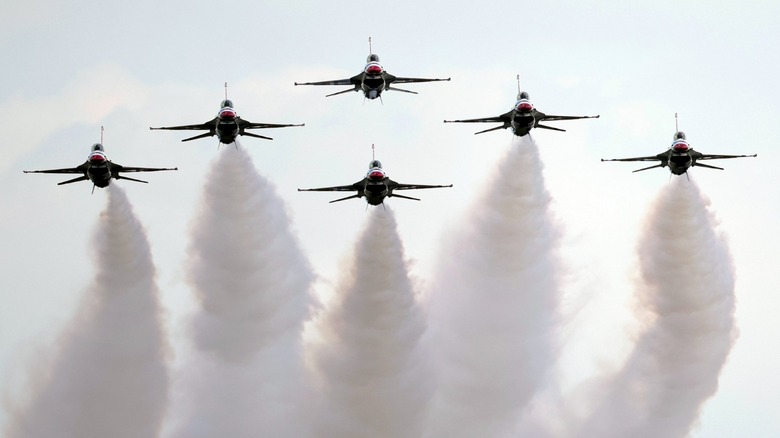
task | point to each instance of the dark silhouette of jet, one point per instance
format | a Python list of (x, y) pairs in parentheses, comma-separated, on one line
[(373, 80), (680, 156), (522, 118), (375, 187)]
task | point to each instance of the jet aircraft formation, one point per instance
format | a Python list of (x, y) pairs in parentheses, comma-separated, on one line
[(376, 186)]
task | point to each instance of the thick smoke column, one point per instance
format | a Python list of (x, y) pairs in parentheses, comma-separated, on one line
[(108, 377), (686, 294), (253, 288), (374, 380), (494, 304)]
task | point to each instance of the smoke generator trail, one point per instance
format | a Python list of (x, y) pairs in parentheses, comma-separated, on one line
[(685, 297), (494, 303), (374, 380), (252, 284), (107, 375)]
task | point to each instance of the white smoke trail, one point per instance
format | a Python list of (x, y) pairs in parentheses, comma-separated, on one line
[(374, 380), (108, 377), (686, 296), (253, 287), (494, 304)]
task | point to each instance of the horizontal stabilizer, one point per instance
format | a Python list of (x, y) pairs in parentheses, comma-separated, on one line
[(81, 178), (492, 129), (550, 128), (208, 134), (341, 92), (131, 179), (344, 199), (697, 164), (250, 134), (646, 168), (401, 89), (402, 196)]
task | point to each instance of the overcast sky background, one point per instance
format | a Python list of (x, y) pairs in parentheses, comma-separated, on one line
[(70, 68)]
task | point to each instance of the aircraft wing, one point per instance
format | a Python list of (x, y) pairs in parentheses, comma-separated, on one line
[(401, 80), (503, 118), (548, 117), (354, 80), (662, 157), (357, 187), (77, 169), (718, 157), (392, 185), (245, 124), (211, 124), (118, 168)]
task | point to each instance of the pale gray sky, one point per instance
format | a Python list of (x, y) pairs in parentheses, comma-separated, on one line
[(68, 69)]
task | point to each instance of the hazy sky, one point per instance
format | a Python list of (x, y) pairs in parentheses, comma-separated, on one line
[(70, 68)]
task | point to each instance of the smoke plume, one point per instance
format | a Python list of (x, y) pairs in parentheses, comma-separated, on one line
[(686, 300), (494, 303), (374, 381), (108, 376), (253, 285)]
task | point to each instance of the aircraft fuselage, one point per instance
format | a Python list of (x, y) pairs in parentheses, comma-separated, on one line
[(679, 163), (99, 174), (227, 131), (372, 86), (375, 192), (522, 122)]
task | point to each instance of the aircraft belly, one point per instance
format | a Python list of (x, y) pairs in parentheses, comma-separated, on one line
[(679, 164), (99, 176), (375, 193), (227, 134), (373, 87), (522, 125)]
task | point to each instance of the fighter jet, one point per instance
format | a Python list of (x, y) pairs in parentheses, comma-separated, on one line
[(99, 169), (227, 125), (680, 156), (522, 118), (372, 80), (376, 186)]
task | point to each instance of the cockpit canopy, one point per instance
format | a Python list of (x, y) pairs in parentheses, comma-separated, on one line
[(372, 58), (97, 147), (227, 103), (375, 163), (679, 135), (523, 95)]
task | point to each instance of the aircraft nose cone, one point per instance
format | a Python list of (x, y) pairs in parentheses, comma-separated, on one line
[(373, 69), (681, 147), (97, 159), (227, 114), (376, 175), (525, 106)]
